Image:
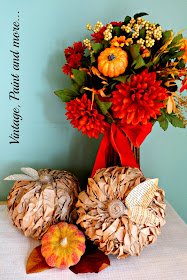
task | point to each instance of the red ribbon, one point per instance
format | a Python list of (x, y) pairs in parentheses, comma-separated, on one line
[(117, 137)]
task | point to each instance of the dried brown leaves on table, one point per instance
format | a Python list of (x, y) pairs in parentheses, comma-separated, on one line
[(36, 262), (93, 260)]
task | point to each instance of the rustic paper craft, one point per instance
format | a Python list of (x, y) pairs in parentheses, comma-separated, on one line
[(121, 211), (33, 206)]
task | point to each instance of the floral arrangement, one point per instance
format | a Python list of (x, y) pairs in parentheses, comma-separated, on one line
[(129, 77), (124, 79)]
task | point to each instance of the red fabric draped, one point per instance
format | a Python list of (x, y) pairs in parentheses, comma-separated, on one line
[(117, 137)]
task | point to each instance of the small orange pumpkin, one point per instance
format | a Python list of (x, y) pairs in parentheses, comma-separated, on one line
[(112, 62), (63, 245)]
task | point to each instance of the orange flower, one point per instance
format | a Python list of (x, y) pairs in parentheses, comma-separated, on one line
[(146, 53), (85, 117), (121, 41), (138, 101), (184, 47)]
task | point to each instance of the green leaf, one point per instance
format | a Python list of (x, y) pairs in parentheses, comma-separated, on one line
[(175, 40), (112, 86), (134, 51), (121, 78), (97, 47), (129, 78), (103, 106), (142, 33), (93, 59), (172, 118), (170, 55), (140, 15), (181, 63), (175, 121), (163, 123), (139, 62), (80, 76), (106, 44), (116, 30), (75, 87), (149, 64), (127, 20), (156, 61), (66, 94), (178, 54), (166, 36)]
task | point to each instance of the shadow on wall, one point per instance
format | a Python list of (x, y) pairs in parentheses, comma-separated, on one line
[(80, 161), (80, 157), (56, 80), (12, 168)]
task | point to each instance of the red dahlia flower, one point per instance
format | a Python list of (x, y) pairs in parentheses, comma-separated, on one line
[(73, 56), (138, 101), (98, 36), (84, 117), (116, 23)]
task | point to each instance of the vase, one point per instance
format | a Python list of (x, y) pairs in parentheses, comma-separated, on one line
[(113, 158)]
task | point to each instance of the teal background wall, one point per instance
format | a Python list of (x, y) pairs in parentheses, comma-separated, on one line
[(46, 138)]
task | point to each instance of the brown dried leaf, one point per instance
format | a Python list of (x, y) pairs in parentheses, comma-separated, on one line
[(93, 260), (36, 262)]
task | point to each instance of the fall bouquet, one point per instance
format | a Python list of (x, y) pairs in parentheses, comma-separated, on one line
[(124, 79)]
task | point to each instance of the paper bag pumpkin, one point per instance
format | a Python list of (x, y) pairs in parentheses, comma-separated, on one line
[(46, 198), (121, 211)]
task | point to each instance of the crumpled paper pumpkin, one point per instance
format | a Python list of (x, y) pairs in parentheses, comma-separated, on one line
[(33, 206), (111, 218)]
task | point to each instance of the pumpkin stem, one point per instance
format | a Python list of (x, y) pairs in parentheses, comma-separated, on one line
[(116, 208), (64, 241), (46, 178), (111, 57)]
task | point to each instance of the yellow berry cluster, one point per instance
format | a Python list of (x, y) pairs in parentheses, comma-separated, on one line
[(89, 27), (129, 26), (97, 26), (152, 32), (87, 44), (108, 32), (141, 42)]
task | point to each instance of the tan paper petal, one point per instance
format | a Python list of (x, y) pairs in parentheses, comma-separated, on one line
[(19, 177), (142, 194), (111, 229), (31, 172), (31, 175), (141, 215)]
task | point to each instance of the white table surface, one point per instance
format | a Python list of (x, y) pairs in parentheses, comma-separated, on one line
[(165, 259)]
